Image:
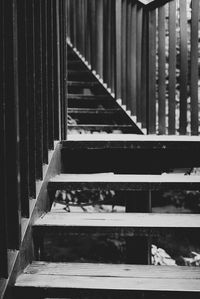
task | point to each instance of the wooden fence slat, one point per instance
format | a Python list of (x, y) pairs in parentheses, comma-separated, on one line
[(152, 73), (161, 71), (194, 68), (172, 66), (183, 67)]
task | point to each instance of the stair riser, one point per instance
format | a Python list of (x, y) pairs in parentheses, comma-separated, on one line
[(125, 161)]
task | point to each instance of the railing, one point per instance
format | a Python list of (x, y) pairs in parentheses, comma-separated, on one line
[(148, 54), (32, 106)]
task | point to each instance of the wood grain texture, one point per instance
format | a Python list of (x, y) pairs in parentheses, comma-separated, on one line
[(118, 220), (110, 277)]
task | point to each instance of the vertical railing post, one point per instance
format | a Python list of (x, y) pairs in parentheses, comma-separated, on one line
[(3, 212), (118, 19)]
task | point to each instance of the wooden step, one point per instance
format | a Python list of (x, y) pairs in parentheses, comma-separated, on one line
[(103, 127), (83, 84), (126, 221), (89, 97), (92, 103), (124, 182), (93, 111), (70, 279), (133, 141), (134, 154)]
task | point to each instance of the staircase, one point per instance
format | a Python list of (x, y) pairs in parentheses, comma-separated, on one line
[(135, 167)]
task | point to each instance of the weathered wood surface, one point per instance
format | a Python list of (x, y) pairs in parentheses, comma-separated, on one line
[(127, 182), (110, 277), (94, 111), (119, 220), (139, 138)]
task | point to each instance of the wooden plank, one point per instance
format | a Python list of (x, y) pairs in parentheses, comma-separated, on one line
[(152, 73), (172, 66), (194, 68), (3, 235), (144, 69), (139, 82), (44, 79), (118, 25), (127, 222), (94, 111), (124, 182), (186, 140), (107, 128), (82, 84), (38, 88), (89, 97), (44, 268), (58, 73), (65, 76), (133, 60), (183, 67), (56, 97), (31, 96), (110, 277), (50, 75), (12, 125), (124, 56), (23, 108), (161, 71), (99, 37)]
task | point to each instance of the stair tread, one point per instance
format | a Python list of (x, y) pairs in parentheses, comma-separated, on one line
[(83, 83), (94, 111), (89, 276), (118, 220), (137, 138), (89, 97), (141, 178)]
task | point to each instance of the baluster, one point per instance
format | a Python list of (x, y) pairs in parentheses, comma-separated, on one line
[(161, 71), (152, 73), (172, 66), (194, 68), (183, 67), (118, 49)]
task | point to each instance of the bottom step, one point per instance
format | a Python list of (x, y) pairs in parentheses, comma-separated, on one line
[(71, 277)]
